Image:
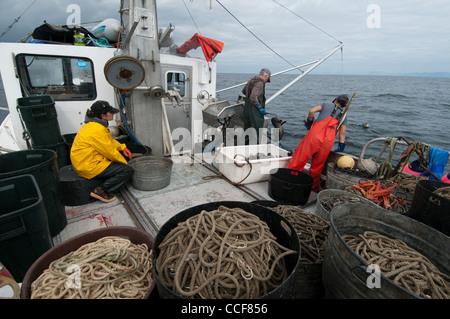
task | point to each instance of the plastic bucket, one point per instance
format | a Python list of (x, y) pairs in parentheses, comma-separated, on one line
[(345, 273), (42, 165), (41, 119), (62, 158), (151, 173), (133, 234), (24, 233), (322, 196), (290, 186), (429, 208), (308, 280), (279, 226)]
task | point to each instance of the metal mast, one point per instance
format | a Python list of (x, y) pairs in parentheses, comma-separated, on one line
[(139, 20)]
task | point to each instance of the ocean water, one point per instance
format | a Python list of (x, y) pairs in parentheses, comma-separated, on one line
[(416, 108)]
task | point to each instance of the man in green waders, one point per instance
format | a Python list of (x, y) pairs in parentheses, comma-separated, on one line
[(255, 104)]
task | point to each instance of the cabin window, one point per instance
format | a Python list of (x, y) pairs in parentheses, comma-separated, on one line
[(63, 78), (176, 80)]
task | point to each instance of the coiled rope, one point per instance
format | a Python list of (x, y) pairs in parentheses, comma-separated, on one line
[(223, 253), (405, 182), (333, 200), (401, 264), (311, 229), (109, 268), (443, 192)]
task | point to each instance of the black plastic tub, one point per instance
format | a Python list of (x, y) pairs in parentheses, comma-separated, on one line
[(429, 208), (41, 119), (24, 232), (290, 186), (43, 166), (279, 226)]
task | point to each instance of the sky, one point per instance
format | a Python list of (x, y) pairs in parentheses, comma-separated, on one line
[(388, 37)]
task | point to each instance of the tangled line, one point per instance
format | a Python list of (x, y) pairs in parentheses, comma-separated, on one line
[(224, 253), (329, 202), (401, 264), (311, 229), (405, 182), (110, 268)]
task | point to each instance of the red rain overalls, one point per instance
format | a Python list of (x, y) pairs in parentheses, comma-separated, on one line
[(317, 144)]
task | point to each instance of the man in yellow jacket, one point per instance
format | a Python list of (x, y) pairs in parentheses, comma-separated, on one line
[(96, 154)]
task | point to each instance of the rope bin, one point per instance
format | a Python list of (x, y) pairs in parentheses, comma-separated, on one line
[(110, 268), (380, 254), (312, 231), (402, 264), (225, 251), (327, 199), (105, 263)]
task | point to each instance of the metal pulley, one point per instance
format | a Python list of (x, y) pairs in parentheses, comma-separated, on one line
[(124, 72)]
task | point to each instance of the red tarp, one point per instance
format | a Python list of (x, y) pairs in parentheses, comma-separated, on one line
[(209, 46)]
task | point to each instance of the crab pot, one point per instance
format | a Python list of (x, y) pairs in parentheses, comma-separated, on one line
[(279, 226)]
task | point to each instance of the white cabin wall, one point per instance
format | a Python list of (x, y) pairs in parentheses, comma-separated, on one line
[(71, 114)]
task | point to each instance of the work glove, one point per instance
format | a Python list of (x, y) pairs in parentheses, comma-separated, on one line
[(127, 153), (308, 123), (340, 148), (260, 109)]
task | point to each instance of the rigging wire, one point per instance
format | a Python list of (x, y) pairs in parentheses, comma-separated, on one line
[(342, 70), (297, 15), (193, 20), (323, 31), (17, 20), (256, 35)]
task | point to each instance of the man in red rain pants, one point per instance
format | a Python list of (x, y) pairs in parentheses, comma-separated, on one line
[(319, 140)]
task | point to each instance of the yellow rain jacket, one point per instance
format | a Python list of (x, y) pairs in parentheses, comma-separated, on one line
[(93, 149)]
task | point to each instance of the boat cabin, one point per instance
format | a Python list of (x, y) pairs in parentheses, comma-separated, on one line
[(74, 76)]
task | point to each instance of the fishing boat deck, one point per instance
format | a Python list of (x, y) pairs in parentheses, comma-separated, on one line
[(192, 183)]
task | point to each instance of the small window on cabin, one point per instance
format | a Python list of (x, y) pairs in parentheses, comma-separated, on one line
[(63, 78), (176, 80)]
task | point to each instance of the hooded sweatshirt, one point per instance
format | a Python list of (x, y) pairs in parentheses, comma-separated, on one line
[(93, 149)]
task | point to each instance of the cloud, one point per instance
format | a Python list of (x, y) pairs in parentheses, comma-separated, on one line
[(412, 35)]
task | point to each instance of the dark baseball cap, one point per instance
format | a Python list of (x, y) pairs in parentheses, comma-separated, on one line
[(103, 107)]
